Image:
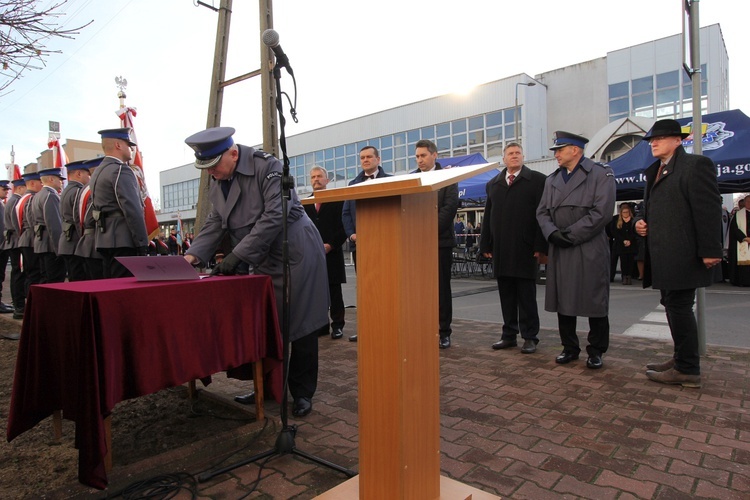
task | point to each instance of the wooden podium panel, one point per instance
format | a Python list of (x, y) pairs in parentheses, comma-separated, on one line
[(397, 333)]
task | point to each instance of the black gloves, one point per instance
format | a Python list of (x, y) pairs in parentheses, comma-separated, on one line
[(560, 238), (228, 266), (141, 251)]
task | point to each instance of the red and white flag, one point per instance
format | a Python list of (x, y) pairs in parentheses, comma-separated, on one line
[(59, 158), (152, 225)]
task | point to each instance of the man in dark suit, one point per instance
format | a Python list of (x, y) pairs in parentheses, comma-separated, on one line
[(682, 226), (447, 205), (327, 218), (116, 204), (512, 239), (369, 159)]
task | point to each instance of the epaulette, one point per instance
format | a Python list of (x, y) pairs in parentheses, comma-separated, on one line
[(262, 154)]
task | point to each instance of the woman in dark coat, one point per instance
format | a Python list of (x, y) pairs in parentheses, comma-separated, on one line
[(625, 246)]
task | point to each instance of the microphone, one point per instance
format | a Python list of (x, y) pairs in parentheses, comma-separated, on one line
[(270, 38)]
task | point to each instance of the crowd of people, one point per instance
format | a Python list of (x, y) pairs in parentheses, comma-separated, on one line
[(562, 220)]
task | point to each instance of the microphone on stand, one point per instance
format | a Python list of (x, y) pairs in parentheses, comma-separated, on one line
[(270, 38)]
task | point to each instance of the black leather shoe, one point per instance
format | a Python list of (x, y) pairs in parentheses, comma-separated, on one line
[(445, 342), (5, 308), (18, 314), (246, 399), (594, 362), (11, 336), (565, 357), (302, 407), (337, 333), (504, 344), (353, 338), (529, 346)]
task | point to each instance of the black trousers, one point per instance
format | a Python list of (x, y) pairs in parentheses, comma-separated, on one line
[(17, 280), (303, 366), (4, 255), (94, 268), (76, 267), (682, 324), (598, 337), (518, 304), (445, 304), (31, 267), (51, 267), (111, 267), (337, 306)]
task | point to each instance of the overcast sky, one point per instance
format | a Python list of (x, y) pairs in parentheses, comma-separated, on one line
[(351, 58)]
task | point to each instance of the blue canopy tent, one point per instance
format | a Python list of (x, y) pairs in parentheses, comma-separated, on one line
[(726, 140), (470, 190)]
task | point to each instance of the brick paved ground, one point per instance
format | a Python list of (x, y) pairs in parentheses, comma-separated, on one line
[(517, 426)]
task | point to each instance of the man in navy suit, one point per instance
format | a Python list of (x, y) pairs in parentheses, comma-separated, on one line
[(327, 218)]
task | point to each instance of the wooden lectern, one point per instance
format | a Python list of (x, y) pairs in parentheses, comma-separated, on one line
[(397, 329)]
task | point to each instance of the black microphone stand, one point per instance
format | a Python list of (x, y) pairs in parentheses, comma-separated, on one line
[(285, 440)]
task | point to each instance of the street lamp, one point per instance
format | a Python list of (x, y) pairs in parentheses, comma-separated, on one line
[(529, 84)]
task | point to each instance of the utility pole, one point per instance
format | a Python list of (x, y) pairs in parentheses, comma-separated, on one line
[(218, 82)]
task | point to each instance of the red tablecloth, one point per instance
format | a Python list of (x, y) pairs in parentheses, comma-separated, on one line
[(86, 346)]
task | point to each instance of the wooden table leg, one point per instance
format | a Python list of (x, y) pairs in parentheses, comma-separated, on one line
[(258, 385), (57, 424), (108, 440)]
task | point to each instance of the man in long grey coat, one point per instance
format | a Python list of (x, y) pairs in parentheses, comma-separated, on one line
[(577, 203), (245, 194), (47, 225), (682, 226), (116, 204)]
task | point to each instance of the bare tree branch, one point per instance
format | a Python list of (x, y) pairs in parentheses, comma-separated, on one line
[(25, 32)]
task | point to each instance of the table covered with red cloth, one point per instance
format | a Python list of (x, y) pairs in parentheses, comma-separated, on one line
[(85, 346)]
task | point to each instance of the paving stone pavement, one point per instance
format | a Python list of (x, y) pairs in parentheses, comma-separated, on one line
[(514, 425)]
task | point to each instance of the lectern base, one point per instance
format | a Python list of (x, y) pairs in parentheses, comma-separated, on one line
[(449, 490)]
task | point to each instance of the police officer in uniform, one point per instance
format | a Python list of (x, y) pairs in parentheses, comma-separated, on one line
[(12, 230), (245, 194), (4, 253), (84, 221), (78, 177), (47, 225), (117, 204), (576, 206), (24, 209)]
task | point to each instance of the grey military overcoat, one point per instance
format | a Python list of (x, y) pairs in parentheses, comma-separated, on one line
[(70, 232), (578, 277), (252, 217), (45, 207), (114, 192), (10, 238)]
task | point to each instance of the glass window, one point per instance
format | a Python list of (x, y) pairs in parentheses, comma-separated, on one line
[(310, 158), (704, 88), (360, 145), (667, 96), (642, 101), (494, 150), (671, 79), (352, 161), (458, 126), (476, 137), (459, 141), (494, 119), (399, 139), (617, 106), (351, 149), (319, 156), (428, 133), (617, 117), (645, 112), (329, 154), (374, 143), (339, 151), (351, 173), (510, 131), (400, 165), (645, 84), (618, 90), (477, 149), (444, 144), (412, 164), (339, 163), (386, 141), (459, 151), (387, 166), (386, 154), (666, 111), (443, 129), (329, 165), (412, 136), (494, 134), (476, 122), (510, 115), (399, 152)]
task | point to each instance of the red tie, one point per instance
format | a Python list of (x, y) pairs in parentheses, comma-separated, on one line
[(317, 207), (511, 178)]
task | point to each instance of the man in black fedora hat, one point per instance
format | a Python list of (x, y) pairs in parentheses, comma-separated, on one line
[(682, 226)]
